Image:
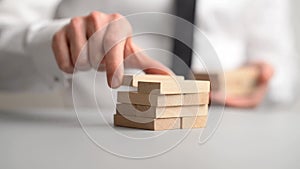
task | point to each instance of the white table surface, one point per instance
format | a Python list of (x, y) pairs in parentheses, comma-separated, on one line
[(255, 138)]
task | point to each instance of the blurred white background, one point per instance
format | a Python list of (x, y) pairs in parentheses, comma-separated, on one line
[(54, 99), (296, 23)]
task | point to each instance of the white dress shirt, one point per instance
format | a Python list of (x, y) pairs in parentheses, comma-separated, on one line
[(239, 31)]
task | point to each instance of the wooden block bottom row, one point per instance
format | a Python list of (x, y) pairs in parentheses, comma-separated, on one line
[(160, 124)]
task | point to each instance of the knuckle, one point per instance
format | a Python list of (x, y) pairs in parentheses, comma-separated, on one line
[(121, 21), (95, 15), (94, 19), (76, 22), (116, 16)]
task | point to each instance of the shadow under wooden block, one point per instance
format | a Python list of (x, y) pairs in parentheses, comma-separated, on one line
[(147, 123), (174, 87), (162, 100), (193, 122), (161, 112), (132, 80)]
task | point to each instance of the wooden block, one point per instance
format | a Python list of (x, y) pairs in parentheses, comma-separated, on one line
[(193, 122), (214, 79), (237, 82), (147, 123), (242, 81), (243, 77), (174, 87), (163, 100), (161, 112), (235, 90), (132, 80)]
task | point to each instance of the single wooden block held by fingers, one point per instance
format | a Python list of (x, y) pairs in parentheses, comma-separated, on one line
[(133, 97), (237, 82), (132, 80), (161, 112), (193, 122), (147, 123), (242, 81), (174, 87)]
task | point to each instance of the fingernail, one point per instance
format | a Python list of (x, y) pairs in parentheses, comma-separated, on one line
[(116, 81)]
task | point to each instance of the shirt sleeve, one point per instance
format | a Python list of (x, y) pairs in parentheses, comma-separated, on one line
[(269, 38), (26, 29)]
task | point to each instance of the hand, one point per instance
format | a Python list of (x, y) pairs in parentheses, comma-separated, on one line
[(255, 98), (109, 43)]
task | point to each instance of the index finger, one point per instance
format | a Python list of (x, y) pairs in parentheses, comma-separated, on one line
[(114, 41)]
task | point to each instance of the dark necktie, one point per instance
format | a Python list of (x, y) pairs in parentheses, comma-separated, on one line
[(184, 9)]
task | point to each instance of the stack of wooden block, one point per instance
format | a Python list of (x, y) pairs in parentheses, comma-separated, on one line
[(162, 103)]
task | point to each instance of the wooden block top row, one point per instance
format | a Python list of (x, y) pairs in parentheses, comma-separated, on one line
[(132, 80), (174, 87), (163, 84)]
